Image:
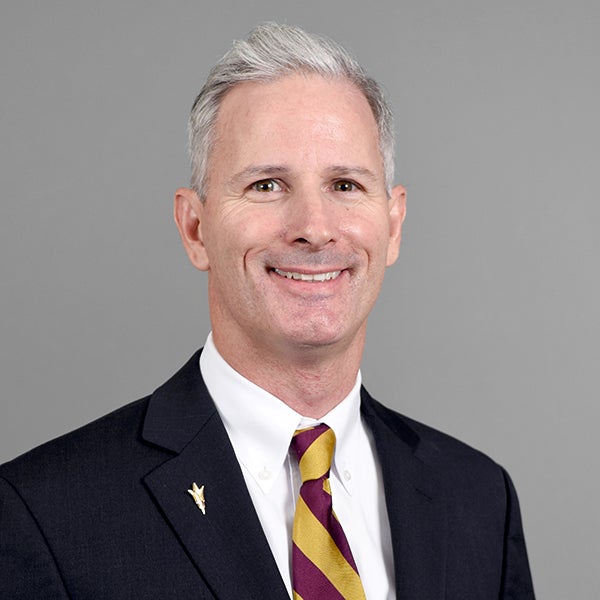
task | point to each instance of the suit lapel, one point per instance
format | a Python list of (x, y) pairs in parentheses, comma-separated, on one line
[(227, 543), (415, 504)]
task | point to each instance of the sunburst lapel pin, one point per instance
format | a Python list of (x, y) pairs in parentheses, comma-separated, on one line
[(197, 494)]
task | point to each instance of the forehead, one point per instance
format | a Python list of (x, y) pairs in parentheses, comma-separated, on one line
[(298, 112)]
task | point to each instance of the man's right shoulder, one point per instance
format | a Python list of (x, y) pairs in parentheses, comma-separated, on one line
[(113, 445), (94, 446)]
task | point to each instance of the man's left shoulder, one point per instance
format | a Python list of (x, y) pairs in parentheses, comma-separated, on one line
[(452, 460), (461, 495)]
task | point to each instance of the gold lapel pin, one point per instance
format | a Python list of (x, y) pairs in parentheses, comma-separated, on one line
[(197, 494)]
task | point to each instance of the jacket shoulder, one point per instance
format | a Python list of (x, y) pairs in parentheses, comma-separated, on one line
[(90, 448), (452, 459)]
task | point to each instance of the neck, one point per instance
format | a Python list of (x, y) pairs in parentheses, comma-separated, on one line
[(310, 380)]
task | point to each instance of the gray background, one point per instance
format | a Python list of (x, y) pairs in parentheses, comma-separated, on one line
[(488, 326)]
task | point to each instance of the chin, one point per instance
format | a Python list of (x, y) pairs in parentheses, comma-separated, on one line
[(317, 335)]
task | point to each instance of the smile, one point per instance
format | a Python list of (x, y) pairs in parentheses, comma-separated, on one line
[(308, 276)]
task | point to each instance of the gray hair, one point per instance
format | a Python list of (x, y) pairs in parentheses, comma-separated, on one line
[(272, 51)]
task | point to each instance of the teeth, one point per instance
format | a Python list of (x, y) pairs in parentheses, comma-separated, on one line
[(308, 276)]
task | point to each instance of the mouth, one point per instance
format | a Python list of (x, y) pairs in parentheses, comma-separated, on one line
[(325, 276)]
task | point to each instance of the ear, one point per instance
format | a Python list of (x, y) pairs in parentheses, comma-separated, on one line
[(397, 208), (187, 212)]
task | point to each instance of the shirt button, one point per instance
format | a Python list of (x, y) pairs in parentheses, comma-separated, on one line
[(264, 474), (347, 475)]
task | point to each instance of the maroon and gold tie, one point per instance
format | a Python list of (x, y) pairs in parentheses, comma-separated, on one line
[(322, 563)]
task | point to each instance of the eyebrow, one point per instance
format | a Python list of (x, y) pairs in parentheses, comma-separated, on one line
[(347, 171), (258, 171)]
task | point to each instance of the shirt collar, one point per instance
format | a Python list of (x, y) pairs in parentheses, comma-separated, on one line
[(260, 426)]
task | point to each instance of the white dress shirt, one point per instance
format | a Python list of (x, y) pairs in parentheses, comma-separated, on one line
[(260, 427)]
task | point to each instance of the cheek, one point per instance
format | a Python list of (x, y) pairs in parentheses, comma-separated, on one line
[(234, 240), (369, 233), (255, 229)]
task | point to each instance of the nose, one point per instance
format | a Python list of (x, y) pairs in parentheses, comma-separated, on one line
[(311, 219)]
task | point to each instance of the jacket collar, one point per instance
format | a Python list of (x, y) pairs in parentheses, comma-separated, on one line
[(415, 502), (227, 543)]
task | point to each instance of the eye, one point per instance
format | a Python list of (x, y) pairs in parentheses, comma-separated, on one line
[(266, 185), (344, 186)]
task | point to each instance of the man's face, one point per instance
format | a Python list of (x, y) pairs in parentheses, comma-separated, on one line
[(296, 229)]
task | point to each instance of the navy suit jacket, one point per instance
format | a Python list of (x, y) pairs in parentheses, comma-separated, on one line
[(104, 511)]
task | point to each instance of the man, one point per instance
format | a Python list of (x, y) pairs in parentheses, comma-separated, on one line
[(201, 490)]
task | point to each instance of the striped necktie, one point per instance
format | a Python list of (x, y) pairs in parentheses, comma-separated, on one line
[(322, 564)]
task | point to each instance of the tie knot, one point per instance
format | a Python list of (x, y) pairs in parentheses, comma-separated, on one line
[(314, 449)]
